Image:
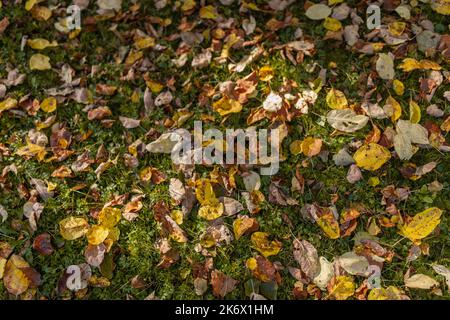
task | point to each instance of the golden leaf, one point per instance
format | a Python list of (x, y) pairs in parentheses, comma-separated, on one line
[(40, 44), (40, 62), (208, 12), (243, 225), (332, 24), (266, 73), (211, 212), (226, 106), (8, 104), (15, 280), (414, 112), (395, 108), (328, 223), (371, 156), (261, 242), (97, 234), (109, 217), (399, 87), (336, 99), (311, 146), (188, 5), (343, 288), (72, 228), (49, 104), (422, 224), (144, 43), (397, 28)]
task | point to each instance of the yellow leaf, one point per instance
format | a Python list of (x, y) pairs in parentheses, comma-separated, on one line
[(188, 5), (2, 267), (8, 104), (208, 12), (390, 293), (410, 64), (154, 86), (133, 56), (243, 225), (40, 62), (226, 106), (144, 43), (336, 99), (177, 216), (41, 13), (373, 181), (429, 65), (328, 223), (97, 234), (441, 6), (114, 234), (30, 4), (72, 228), (211, 212), (40, 44), (399, 88), (261, 242), (109, 217), (333, 2), (396, 109), (311, 146), (422, 224), (295, 147), (14, 279), (396, 28), (343, 288), (49, 104), (266, 73), (371, 156), (414, 112), (32, 150), (332, 24)]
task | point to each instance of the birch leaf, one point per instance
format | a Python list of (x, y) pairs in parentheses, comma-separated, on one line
[(422, 224)]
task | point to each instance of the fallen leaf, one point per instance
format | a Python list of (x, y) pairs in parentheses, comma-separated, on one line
[(422, 224), (371, 156), (261, 242), (72, 228), (39, 62)]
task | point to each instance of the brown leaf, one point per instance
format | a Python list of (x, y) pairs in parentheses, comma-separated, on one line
[(306, 256), (222, 284), (43, 245)]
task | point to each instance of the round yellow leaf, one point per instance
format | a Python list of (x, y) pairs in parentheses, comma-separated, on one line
[(371, 156), (109, 217), (97, 234), (336, 99), (49, 104), (211, 212), (332, 24), (266, 73), (40, 62)]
